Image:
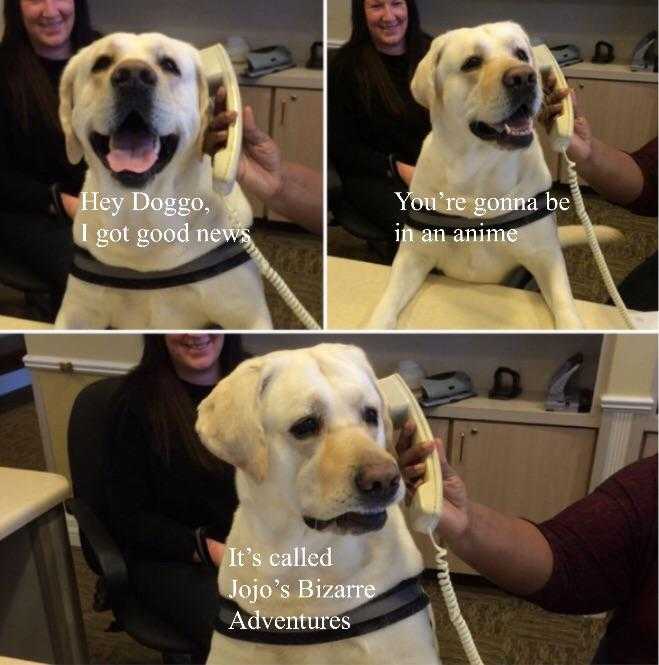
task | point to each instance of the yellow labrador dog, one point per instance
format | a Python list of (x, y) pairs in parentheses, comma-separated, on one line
[(308, 432), (483, 90), (136, 108)]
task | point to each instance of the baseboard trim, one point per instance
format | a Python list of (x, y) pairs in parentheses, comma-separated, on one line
[(77, 365), (73, 530)]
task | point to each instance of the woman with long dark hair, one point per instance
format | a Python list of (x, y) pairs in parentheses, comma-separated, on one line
[(38, 185), (171, 502), (375, 127)]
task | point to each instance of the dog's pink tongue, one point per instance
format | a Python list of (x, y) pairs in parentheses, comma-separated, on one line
[(136, 152)]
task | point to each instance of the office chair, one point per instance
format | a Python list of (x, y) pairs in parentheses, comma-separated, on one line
[(36, 292), (345, 215), (88, 437)]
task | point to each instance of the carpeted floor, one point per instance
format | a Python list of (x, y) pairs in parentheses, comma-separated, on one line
[(506, 629), (295, 254), (640, 241)]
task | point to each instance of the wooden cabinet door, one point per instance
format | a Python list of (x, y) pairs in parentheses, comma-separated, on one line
[(623, 114), (297, 127), (531, 471), (260, 99)]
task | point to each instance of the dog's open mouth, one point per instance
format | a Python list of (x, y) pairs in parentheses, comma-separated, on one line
[(515, 131), (134, 152), (351, 522)]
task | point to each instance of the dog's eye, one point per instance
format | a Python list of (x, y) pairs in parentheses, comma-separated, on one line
[(168, 65), (521, 54), (473, 62), (306, 427), (102, 62), (370, 415)]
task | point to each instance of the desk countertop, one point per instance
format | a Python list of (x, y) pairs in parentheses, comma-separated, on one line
[(611, 71), (355, 287), (12, 323), (25, 495), (295, 77)]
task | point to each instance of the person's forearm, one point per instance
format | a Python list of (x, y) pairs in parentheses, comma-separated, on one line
[(612, 173), (300, 198), (509, 551)]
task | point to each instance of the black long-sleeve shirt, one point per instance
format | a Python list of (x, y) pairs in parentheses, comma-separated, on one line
[(360, 143), (31, 162), (155, 506)]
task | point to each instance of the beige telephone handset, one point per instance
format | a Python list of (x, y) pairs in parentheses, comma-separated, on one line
[(563, 127), (559, 139), (219, 70), (426, 505)]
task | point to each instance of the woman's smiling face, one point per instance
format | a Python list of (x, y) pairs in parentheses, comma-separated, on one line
[(387, 24), (48, 23), (194, 356)]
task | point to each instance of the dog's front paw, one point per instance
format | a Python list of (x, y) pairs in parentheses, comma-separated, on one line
[(568, 321), (381, 323)]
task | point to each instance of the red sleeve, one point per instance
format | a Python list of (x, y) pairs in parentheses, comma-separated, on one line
[(646, 158), (604, 546)]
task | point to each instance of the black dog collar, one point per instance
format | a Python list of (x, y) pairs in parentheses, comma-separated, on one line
[(400, 602), (220, 259), (433, 220)]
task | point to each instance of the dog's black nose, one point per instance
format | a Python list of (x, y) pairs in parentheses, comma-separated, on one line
[(519, 77), (378, 482), (133, 74)]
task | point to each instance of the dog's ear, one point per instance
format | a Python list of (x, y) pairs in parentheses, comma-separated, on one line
[(204, 105), (229, 420), (425, 86), (66, 102)]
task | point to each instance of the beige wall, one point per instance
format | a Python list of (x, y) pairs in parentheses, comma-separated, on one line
[(633, 370), (55, 390), (581, 22), (113, 347), (204, 22)]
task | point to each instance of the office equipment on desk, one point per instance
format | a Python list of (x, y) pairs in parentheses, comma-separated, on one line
[(445, 388), (506, 389), (645, 54), (563, 394), (268, 60)]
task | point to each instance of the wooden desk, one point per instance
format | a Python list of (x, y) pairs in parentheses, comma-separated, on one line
[(354, 288), (12, 323), (40, 617)]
